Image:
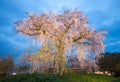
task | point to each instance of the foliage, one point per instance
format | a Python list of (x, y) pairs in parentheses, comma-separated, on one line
[(31, 78), (6, 64), (59, 33), (55, 78), (110, 62)]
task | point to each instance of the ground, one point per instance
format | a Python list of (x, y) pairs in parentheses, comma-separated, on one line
[(36, 77)]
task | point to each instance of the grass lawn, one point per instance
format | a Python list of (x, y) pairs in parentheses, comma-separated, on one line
[(55, 78)]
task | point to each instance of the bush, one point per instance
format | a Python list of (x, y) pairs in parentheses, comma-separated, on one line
[(31, 78), (36, 77)]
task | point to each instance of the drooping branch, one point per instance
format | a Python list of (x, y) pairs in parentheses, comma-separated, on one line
[(29, 34)]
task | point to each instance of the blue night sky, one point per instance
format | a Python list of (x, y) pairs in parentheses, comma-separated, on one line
[(102, 15)]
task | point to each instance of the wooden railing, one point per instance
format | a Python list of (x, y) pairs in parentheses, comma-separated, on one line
[(78, 70)]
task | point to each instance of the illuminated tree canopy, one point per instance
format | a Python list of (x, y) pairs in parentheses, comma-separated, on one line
[(59, 33)]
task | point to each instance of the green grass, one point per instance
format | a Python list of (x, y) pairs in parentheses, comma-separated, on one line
[(89, 78), (55, 78)]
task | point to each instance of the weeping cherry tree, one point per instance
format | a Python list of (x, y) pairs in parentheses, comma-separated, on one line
[(59, 33)]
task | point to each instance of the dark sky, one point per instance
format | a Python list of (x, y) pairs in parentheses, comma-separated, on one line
[(102, 15)]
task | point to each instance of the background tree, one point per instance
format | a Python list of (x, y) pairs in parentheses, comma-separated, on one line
[(22, 68), (22, 64), (110, 62), (59, 33), (73, 61), (6, 64)]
